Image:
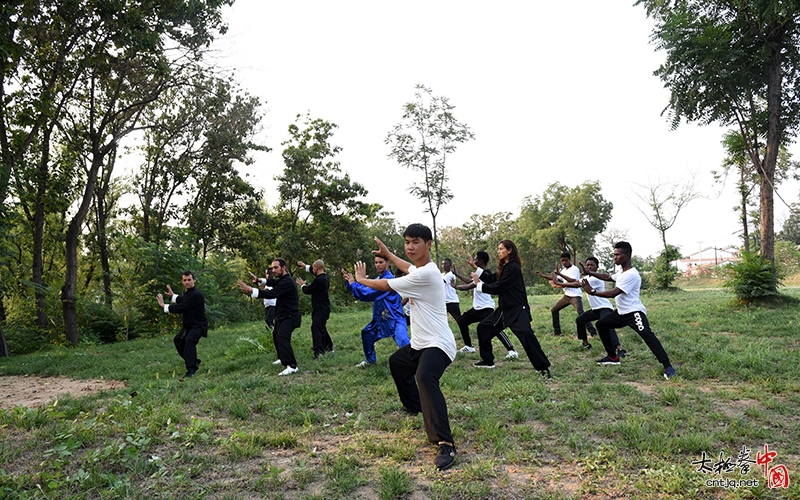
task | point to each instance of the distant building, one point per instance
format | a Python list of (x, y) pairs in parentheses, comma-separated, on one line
[(707, 258)]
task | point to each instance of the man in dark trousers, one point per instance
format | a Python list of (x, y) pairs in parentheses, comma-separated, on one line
[(320, 306), (192, 306), (630, 309), (287, 311)]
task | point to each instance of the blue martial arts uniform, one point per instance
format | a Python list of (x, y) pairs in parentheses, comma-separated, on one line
[(388, 318)]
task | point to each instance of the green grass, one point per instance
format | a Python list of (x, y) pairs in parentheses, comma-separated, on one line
[(236, 430)]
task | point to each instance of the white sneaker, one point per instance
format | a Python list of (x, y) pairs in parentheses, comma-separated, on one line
[(467, 348), (364, 364), (512, 355), (277, 362), (288, 371)]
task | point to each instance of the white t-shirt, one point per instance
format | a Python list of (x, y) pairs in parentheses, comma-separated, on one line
[(574, 273), (269, 302), (481, 300), (595, 301), (629, 282), (450, 294), (425, 291)]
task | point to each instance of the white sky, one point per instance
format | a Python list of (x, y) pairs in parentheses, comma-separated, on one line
[(554, 91)]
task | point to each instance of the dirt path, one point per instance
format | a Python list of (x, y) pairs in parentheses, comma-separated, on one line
[(31, 391)]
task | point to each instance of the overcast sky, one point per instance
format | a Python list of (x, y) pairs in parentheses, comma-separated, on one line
[(554, 92)]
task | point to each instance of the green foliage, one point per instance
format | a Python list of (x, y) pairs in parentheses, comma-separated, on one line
[(752, 278), (791, 227), (565, 219), (664, 272), (787, 257), (427, 135)]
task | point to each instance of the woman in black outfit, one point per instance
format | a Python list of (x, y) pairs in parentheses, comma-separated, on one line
[(513, 311)]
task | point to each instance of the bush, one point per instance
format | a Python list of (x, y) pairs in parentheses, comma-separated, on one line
[(752, 278), (100, 321), (664, 273)]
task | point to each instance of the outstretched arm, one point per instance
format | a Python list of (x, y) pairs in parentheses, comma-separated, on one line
[(384, 252), (361, 277)]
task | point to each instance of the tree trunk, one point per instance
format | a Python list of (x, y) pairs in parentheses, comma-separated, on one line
[(743, 192), (767, 219), (71, 243), (3, 344)]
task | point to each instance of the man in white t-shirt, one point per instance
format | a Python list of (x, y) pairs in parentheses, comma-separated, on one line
[(573, 296), (432, 346), (451, 299), (601, 306), (630, 310)]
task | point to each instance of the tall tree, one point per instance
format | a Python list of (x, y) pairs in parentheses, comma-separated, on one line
[(735, 63), (747, 179), (664, 201), (196, 134), (423, 141), (127, 66), (565, 219), (321, 212)]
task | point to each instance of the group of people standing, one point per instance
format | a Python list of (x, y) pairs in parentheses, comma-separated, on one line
[(421, 359)]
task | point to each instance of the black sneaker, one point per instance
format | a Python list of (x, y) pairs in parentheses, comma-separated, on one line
[(670, 373), (587, 347), (621, 353), (409, 411), (557, 333), (484, 364), (445, 457), (608, 360), (189, 374), (545, 373)]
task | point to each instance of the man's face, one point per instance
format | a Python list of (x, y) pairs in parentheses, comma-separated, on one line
[(188, 281), (619, 257), (416, 248), (591, 266), (277, 269), (502, 252), (478, 261), (381, 265), (446, 265), (566, 262)]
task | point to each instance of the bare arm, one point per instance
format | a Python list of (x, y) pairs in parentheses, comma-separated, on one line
[(382, 251), (361, 277), (609, 294)]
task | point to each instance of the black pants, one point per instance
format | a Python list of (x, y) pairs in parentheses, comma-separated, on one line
[(476, 316), (594, 315), (269, 317), (416, 375), (521, 327), (638, 321), (454, 310), (320, 340), (564, 301), (282, 338), (186, 345)]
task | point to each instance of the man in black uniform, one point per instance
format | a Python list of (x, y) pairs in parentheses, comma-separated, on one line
[(320, 306), (287, 312), (192, 305)]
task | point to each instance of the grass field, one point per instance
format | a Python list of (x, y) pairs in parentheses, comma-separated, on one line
[(238, 431)]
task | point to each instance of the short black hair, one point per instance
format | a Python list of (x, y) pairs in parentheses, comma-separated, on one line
[(624, 246), (483, 256), (447, 259), (593, 258), (418, 230), (188, 273), (566, 255), (280, 262)]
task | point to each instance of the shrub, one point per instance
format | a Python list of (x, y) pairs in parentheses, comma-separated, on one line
[(753, 278), (664, 273)]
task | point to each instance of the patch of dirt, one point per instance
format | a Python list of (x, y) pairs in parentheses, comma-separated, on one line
[(31, 391)]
